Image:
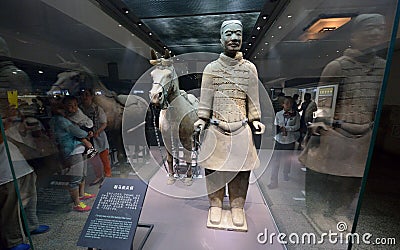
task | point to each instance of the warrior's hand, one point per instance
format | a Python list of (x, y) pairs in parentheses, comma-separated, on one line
[(316, 127), (260, 128), (199, 124)]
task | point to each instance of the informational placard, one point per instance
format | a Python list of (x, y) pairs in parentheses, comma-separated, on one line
[(114, 217), (325, 97), (326, 102)]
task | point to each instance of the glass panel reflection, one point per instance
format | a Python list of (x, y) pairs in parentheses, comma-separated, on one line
[(67, 83)]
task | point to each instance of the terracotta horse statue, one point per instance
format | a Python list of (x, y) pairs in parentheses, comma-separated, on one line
[(115, 106), (177, 116)]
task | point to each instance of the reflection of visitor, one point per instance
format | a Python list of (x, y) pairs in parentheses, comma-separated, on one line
[(278, 102), (76, 115), (229, 100), (336, 155), (100, 141), (295, 102), (75, 168), (35, 106), (308, 107), (11, 233), (288, 124)]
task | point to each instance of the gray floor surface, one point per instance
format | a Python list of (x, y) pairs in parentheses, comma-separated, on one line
[(179, 213)]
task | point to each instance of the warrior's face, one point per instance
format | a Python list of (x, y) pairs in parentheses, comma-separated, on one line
[(369, 36), (231, 37), (368, 31)]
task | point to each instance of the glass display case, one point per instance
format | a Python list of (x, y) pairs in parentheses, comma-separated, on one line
[(77, 84)]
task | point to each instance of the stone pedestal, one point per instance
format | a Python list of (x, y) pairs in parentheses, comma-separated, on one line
[(226, 222)]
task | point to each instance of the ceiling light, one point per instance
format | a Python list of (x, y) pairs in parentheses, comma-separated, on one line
[(125, 10), (40, 72), (266, 43), (327, 24), (264, 17), (258, 28), (279, 27), (119, 25), (254, 37), (289, 16), (150, 34), (140, 24), (272, 36)]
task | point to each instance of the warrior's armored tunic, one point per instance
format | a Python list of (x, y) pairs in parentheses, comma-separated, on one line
[(343, 151), (358, 92), (229, 97)]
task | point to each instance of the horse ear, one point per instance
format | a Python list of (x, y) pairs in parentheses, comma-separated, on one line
[(153, 54), (167, 54)]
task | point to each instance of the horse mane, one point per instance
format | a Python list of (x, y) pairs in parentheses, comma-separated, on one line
[(95, 82)]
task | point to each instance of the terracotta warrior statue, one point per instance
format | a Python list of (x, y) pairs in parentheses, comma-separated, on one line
[(336, 155), (229, 104)]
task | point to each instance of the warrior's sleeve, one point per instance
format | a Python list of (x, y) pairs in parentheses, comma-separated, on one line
[(253, 102), (206, 94)]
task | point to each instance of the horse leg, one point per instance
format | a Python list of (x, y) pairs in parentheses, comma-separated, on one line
[(115, 140), (189, 178), (170, 163)]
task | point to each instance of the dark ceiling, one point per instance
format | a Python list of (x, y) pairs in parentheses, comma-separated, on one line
[(191, 26), (274, 30)]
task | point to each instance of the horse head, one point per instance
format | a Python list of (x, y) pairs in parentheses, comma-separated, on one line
[(75, 78), (68, 80), (165, 79)]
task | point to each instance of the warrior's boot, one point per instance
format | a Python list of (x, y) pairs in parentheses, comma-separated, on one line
[(216, 191), (237, 196), (216, 199)]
